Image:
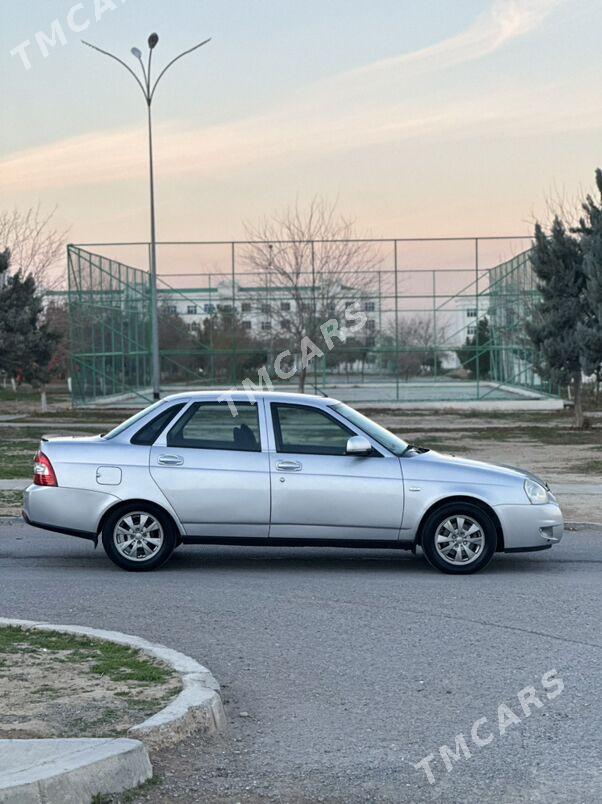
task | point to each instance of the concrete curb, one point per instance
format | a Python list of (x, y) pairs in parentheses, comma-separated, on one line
[(69, 771), (198, 706)]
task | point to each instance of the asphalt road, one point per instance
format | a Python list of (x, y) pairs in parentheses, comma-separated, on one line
[(349, 667)]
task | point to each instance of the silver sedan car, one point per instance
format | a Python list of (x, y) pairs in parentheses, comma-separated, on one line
[(280, 469)]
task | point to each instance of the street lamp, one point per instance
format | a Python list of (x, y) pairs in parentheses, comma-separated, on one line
[(148, 90)]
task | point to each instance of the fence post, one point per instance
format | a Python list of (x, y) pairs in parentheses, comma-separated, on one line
[(477, 354), (234, 334), (395, 262)]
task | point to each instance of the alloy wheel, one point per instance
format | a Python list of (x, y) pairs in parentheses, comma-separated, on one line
[(459, 539), (138, 536)]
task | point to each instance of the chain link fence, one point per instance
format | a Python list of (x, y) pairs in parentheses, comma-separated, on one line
[(413, 320)]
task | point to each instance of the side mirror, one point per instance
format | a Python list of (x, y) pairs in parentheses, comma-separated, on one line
[(358, 445)]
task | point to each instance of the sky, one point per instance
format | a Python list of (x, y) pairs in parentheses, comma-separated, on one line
[(430, 118)]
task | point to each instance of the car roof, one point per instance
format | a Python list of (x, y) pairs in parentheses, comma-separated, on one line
[(239, 395)]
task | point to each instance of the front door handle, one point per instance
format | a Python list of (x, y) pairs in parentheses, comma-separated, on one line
[(289, 466), (170, 460)]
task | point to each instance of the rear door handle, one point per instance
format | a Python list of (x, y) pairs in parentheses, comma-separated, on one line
[(289, 466), (170, 460)]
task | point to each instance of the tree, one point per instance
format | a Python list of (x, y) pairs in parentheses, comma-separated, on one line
[(26, 343), (590, 330), (476, 352), (34, 243), (311, 264), (558, 318), (413, 350), (56, 316), (230, 352), (178, 346)]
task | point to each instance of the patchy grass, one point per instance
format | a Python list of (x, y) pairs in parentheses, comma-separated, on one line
[(54, 685), (593, 467), (11, 503)]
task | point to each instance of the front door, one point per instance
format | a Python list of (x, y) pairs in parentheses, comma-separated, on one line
[(318, 491), (213, 471)]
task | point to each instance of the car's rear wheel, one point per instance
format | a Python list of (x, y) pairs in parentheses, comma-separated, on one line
[(459, 538), (138, 537)]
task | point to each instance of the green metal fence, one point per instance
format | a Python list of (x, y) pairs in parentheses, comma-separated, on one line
[(443, 319)]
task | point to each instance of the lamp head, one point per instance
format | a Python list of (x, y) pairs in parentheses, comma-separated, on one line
[(153, 40), (137, 52)]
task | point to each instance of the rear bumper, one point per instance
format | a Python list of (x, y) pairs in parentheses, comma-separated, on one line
[(530, 527), (75, 512)]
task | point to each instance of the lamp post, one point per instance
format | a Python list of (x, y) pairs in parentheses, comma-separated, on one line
[(148, 90)]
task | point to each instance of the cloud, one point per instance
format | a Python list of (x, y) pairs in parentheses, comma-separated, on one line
[(322, 119), (503, 22)]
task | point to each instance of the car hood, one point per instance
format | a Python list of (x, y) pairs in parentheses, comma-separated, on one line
[(501, 470)]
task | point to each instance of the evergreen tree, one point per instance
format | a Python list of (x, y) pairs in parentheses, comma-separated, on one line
[(558, 318), (26, 344), (476, 352), (590, 331)]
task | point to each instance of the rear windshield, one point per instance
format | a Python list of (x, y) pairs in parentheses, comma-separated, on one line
[(133, 419)]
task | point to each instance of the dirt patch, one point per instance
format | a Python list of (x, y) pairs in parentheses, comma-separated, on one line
[(58, 685)]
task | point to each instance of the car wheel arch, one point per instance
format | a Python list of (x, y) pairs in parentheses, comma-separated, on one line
[(141, 502), (466, 498)]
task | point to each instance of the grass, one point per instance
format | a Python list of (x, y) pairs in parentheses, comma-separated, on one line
[(593, 467), (117, 662), (11, 503)]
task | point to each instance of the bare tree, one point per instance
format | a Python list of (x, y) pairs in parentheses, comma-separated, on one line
[(415, 346), (312, 268), (35, 245)]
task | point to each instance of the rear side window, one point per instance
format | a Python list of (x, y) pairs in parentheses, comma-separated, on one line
[(150, 432), (211, 425)]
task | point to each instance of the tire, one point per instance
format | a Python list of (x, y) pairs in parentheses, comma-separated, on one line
[(133, 530), (459, 538)]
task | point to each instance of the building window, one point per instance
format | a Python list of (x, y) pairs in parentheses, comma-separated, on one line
[(209, 308), (285, 307), (369, 307), (246, 307), (265, 308), (191, 309), (471, 313), (266, 326), (371, 325), (246, 325), (471, 329), (172, 309), (285, 324), (225, 308), (370, 341)]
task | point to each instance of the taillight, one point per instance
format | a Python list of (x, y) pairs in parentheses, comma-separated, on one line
[(43, 473)]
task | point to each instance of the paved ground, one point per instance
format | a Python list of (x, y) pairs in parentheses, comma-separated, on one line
[(350, 666)]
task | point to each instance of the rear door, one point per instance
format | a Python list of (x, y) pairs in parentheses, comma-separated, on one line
[(319, 492), (211, 467)]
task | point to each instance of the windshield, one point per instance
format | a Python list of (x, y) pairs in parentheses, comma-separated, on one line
[(387, 439), (128, 422)]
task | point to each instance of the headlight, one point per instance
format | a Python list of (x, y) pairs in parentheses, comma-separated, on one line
[(536, 493)]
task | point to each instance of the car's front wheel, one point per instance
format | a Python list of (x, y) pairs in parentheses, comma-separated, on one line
[(138, 537), (459, 538)]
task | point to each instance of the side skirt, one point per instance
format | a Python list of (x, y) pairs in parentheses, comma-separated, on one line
[(384, 544)]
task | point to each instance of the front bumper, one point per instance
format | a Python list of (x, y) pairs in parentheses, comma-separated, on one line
[(530, 527), (76, 512)]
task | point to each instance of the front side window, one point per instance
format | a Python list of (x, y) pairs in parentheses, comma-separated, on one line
[(211, 425), (308, 431), (382, 436)]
